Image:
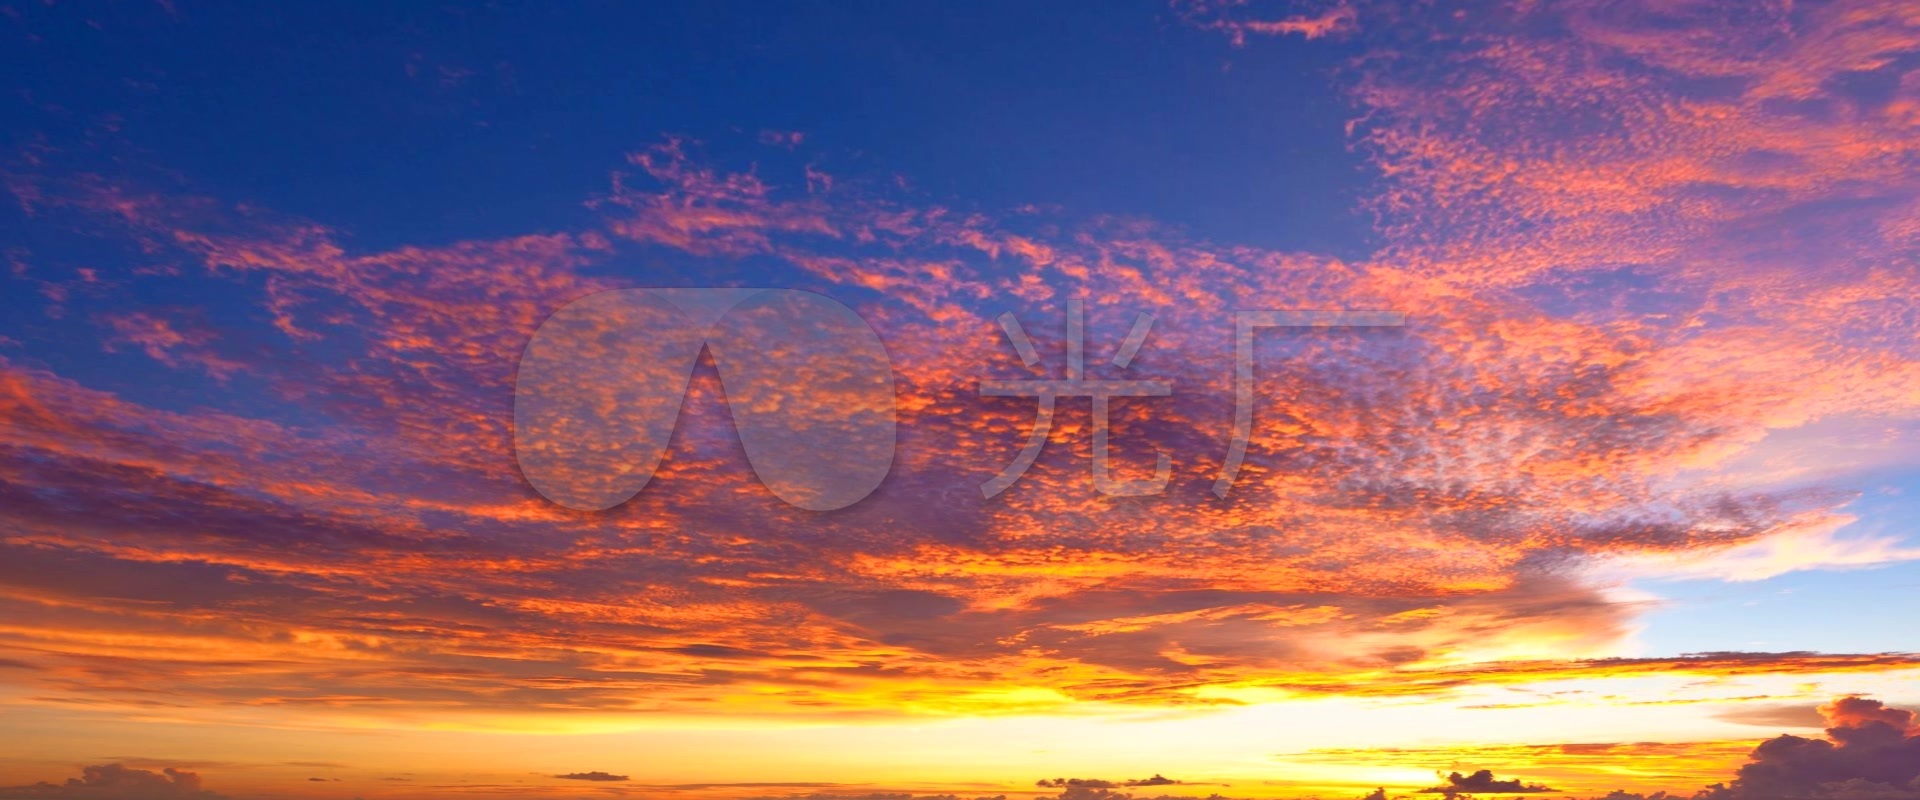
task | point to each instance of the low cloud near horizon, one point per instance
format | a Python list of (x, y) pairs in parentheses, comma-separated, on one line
[(592, 776), (1870, 751), (118, 782)]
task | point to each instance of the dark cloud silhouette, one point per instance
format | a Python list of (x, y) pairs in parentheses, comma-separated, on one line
[(1096, 783), (1484, 782), (596, 775), (874, 796), (1062, 783), (1084, 792), (1871, 751), (118, 782)]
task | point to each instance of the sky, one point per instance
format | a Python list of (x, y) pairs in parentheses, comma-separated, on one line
[(296, 417)]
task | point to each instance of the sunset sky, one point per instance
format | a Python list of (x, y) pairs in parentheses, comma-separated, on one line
[(1635, 487)]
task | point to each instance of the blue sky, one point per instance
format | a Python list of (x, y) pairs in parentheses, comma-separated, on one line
[(470, 121)]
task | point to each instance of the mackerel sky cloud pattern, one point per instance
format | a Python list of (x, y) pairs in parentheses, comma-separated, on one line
[(1657, 261)]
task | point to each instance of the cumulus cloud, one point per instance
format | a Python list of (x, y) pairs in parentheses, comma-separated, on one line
[(118, 782), (1858, 712), (1871, 751)]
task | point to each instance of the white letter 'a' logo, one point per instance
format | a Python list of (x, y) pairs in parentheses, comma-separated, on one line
[(601, 383)]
